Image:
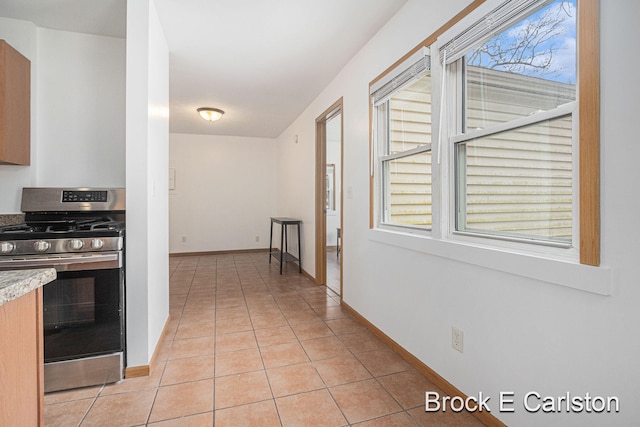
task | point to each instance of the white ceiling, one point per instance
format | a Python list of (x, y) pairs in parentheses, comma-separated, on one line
[(100, 17), (261, 61)]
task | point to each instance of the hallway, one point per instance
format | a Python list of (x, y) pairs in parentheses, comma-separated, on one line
[(247, 346)]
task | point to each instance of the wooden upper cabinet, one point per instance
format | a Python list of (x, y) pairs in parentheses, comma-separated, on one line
[(15, 107)]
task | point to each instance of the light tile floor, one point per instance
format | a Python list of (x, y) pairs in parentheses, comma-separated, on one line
[(247, 346)]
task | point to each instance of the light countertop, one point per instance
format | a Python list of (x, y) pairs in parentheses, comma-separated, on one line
[(16, 283)]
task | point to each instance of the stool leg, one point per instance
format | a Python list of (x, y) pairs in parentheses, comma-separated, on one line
[(299, 252), (283, 231), (270, 241)]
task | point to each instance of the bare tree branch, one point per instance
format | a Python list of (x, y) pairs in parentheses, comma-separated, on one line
[(527, 47)]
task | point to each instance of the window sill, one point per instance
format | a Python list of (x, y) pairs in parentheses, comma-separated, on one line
[(560, 272)]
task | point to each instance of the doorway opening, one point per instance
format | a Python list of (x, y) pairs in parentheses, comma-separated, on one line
[(329, 172)]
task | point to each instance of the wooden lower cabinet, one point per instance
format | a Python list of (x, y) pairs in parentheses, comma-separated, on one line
[(22, 361)]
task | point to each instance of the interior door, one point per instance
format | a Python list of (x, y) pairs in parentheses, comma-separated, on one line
[(333, 149), (329, 196)]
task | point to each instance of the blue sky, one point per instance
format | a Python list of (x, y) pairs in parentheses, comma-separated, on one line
[(563, 63)]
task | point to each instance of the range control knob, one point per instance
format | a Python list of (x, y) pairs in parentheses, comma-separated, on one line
[(41, 245), (7, 247), (97, 244), (76, 244)]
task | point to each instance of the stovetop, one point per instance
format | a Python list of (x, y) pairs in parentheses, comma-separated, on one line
[(61, 237), (63, 228), (66, 221)]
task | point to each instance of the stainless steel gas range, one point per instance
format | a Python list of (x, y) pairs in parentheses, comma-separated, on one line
[(81, 233)]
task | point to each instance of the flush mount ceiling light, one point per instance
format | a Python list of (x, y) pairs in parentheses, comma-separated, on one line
[(210, 114)]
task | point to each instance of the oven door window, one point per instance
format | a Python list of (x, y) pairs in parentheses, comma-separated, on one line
[(83, 314)]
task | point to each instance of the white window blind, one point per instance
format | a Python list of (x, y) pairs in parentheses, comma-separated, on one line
[(488, 26), (411, 69)]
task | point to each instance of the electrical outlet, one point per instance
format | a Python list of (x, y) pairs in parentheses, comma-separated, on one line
[(184, 239), (257, 238), (457, 337)]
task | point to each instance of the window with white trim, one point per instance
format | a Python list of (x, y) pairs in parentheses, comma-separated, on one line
[(513, 147), (512, 128), (402, 121), (513, 132)]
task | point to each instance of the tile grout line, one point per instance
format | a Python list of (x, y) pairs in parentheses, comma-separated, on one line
[(215, 336), (273, 397)]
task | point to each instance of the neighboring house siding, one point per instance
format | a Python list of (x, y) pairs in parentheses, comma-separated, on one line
[(410, 183), (518, 182)]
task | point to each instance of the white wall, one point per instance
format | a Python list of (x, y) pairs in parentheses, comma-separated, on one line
[(147, 147), (77, 111), (80, 109), (225, 192), (158, 199), (295, 173), (22, 36), (521, 334)]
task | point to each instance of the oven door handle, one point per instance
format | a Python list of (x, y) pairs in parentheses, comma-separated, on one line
[(68, 263)]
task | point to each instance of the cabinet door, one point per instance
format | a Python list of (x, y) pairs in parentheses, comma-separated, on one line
[(15, 106), (21, 362)]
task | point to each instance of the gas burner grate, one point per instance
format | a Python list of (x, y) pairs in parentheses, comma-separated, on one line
[(16, 228)]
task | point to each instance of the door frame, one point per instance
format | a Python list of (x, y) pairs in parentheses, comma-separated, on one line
[(321, 171)]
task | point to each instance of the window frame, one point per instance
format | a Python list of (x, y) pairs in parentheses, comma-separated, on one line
[(565, 110), (380, 157), (458, 134), (587, 216)]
